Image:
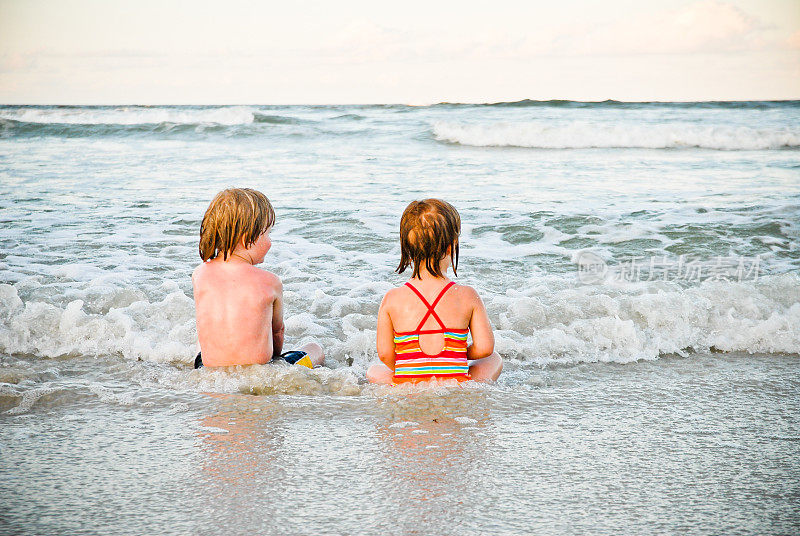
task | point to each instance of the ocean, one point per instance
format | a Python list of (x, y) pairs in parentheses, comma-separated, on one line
[(640, 263)]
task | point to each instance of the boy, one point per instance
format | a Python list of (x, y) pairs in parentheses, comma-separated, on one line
[(239, 307)]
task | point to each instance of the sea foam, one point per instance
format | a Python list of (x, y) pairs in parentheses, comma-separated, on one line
[(552, 320), (586, 135), (131, 115)]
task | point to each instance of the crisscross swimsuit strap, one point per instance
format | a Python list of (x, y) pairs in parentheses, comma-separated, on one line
[(430, 307), (412, 364)]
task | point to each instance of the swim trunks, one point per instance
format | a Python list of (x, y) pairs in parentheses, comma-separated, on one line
[(293, 357)]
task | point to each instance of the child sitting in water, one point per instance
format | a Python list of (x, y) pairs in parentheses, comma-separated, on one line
[(423, 325), (239, 307)]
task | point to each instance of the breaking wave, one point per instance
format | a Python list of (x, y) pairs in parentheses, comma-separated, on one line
[(585, 135), (553, 322), (615, 104)]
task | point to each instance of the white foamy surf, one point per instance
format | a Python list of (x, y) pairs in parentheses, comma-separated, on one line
[(550, 320), (130, 115), (590, 135)]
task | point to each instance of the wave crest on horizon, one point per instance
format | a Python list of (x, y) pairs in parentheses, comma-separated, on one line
[(586, 135)]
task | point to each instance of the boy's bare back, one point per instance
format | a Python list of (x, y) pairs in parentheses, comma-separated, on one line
[(238, 307)]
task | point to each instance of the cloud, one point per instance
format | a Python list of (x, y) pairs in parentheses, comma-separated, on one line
[(16, 62), (707, 26), (794, 40)]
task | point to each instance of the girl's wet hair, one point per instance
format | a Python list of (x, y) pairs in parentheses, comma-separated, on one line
[(427, 229), (234, 214)]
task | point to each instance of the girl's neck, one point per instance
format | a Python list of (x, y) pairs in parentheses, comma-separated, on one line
[(425, 275)]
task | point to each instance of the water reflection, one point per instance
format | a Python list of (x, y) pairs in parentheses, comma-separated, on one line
[(433, 451), (240, 441)]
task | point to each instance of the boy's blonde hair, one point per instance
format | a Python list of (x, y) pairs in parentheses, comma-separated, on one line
[(427, 229), (234, 215)]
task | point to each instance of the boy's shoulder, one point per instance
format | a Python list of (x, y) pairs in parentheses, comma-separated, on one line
[(271, 279), (209, 270), (265, 278), (199, 273)]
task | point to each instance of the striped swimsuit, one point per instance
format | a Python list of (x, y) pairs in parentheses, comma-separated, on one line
[(412, 364)]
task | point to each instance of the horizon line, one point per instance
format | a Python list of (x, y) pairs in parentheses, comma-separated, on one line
[(415, 105)]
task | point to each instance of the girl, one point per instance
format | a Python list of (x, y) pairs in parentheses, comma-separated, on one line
[(423, 325)]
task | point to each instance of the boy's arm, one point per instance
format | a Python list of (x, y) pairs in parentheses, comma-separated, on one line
[(277, 318), (385, 336), (481, 329)]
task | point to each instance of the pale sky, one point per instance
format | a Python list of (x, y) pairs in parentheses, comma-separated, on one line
[(413, 52)]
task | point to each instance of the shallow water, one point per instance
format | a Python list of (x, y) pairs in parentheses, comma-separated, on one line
[(706, 444), (664, 402)]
